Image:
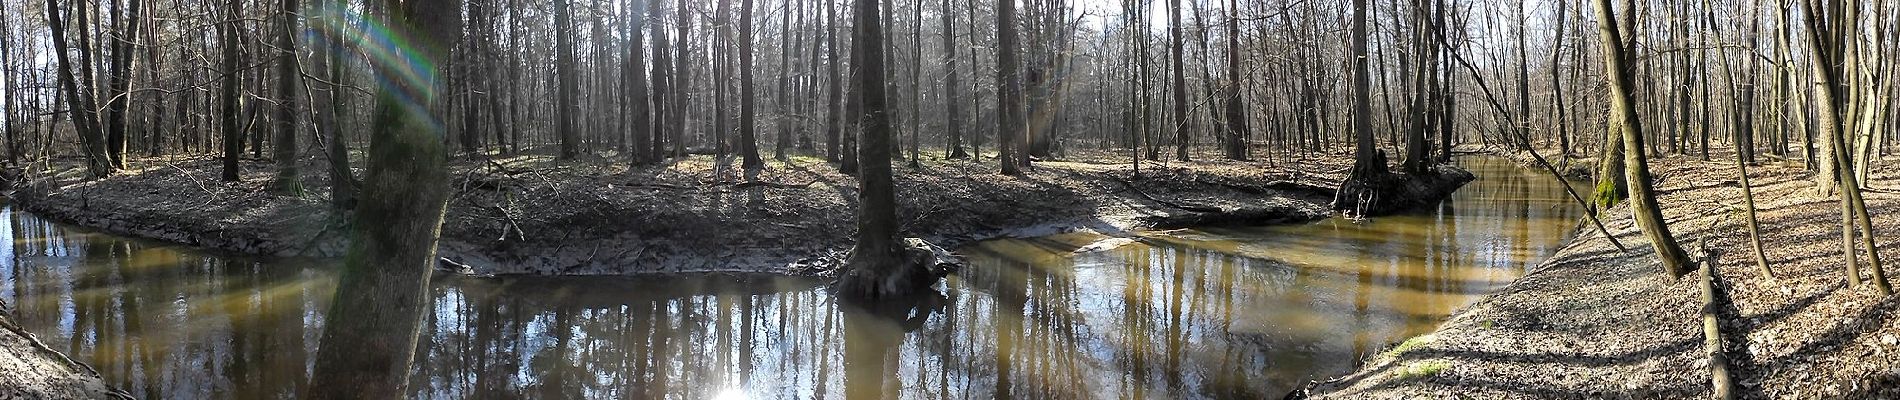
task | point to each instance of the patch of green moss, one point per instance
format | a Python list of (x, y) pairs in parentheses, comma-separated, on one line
[(1410, 344), (1421, 369)]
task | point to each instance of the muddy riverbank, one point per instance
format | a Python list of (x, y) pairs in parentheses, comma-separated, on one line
[(534, 215), (30, 370)]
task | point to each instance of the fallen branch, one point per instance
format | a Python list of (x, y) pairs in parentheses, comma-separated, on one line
[(1194, 208), (1587, 209), (1721, 383)]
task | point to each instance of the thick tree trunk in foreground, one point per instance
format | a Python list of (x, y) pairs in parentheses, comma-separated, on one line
[(1368, 162), (876, 268), (369, 338), (1623, 113)]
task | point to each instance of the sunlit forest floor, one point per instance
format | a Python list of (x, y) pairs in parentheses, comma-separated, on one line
[(532, 214), (1593, 322)]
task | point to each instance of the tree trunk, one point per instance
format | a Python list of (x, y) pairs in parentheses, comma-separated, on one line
[(953, 121), (682, 78), (661, 84), (229, 103), (781, 103), (342, 180), (370, 336), (1366, 159), (78, 102), (641, 123), (1623, 113), (1237, 132), (119, 83), (565, 106), (833, 85), (875, 261), (1179, 85), (1009, 105), (748, 114), (1826, 45), (287, 182)]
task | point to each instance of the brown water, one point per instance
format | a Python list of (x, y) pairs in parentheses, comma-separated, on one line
[(1184, 314)]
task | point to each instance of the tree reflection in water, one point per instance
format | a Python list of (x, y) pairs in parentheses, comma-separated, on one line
[(1214, 313)]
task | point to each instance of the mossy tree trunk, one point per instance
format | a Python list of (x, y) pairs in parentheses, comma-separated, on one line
[(1623, 114), (370, 333)]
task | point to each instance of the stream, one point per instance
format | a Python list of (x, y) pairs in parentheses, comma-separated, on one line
[(1199, 313)]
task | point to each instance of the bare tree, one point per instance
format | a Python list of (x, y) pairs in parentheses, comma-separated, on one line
[(1009, 104), (1623, 113)]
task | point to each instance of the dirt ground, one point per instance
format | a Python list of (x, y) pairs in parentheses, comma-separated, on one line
[(33, 371), (535, 215), (1594, 322)]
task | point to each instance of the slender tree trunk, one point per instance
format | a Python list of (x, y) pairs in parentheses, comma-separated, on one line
[(1623, 112), (1237, 131), (1826, 43), (329, 120), (118, 84), (287, 182), (1179, 85), (566, 105), (682, 77), (229, 103), (98, 165), (662, 83), (748, 114), (952, 101), (1009, 105), (833, 84), (781, 103), (916, 76), (641, 123), (1562, 118), (1739, 118)]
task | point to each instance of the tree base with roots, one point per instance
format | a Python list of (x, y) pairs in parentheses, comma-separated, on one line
[(1372, 190), (910, 269)]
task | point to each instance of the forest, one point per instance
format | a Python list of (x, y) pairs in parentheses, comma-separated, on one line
[(949, 198)]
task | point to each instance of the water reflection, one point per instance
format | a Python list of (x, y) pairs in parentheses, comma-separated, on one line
[(1227, 313)]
